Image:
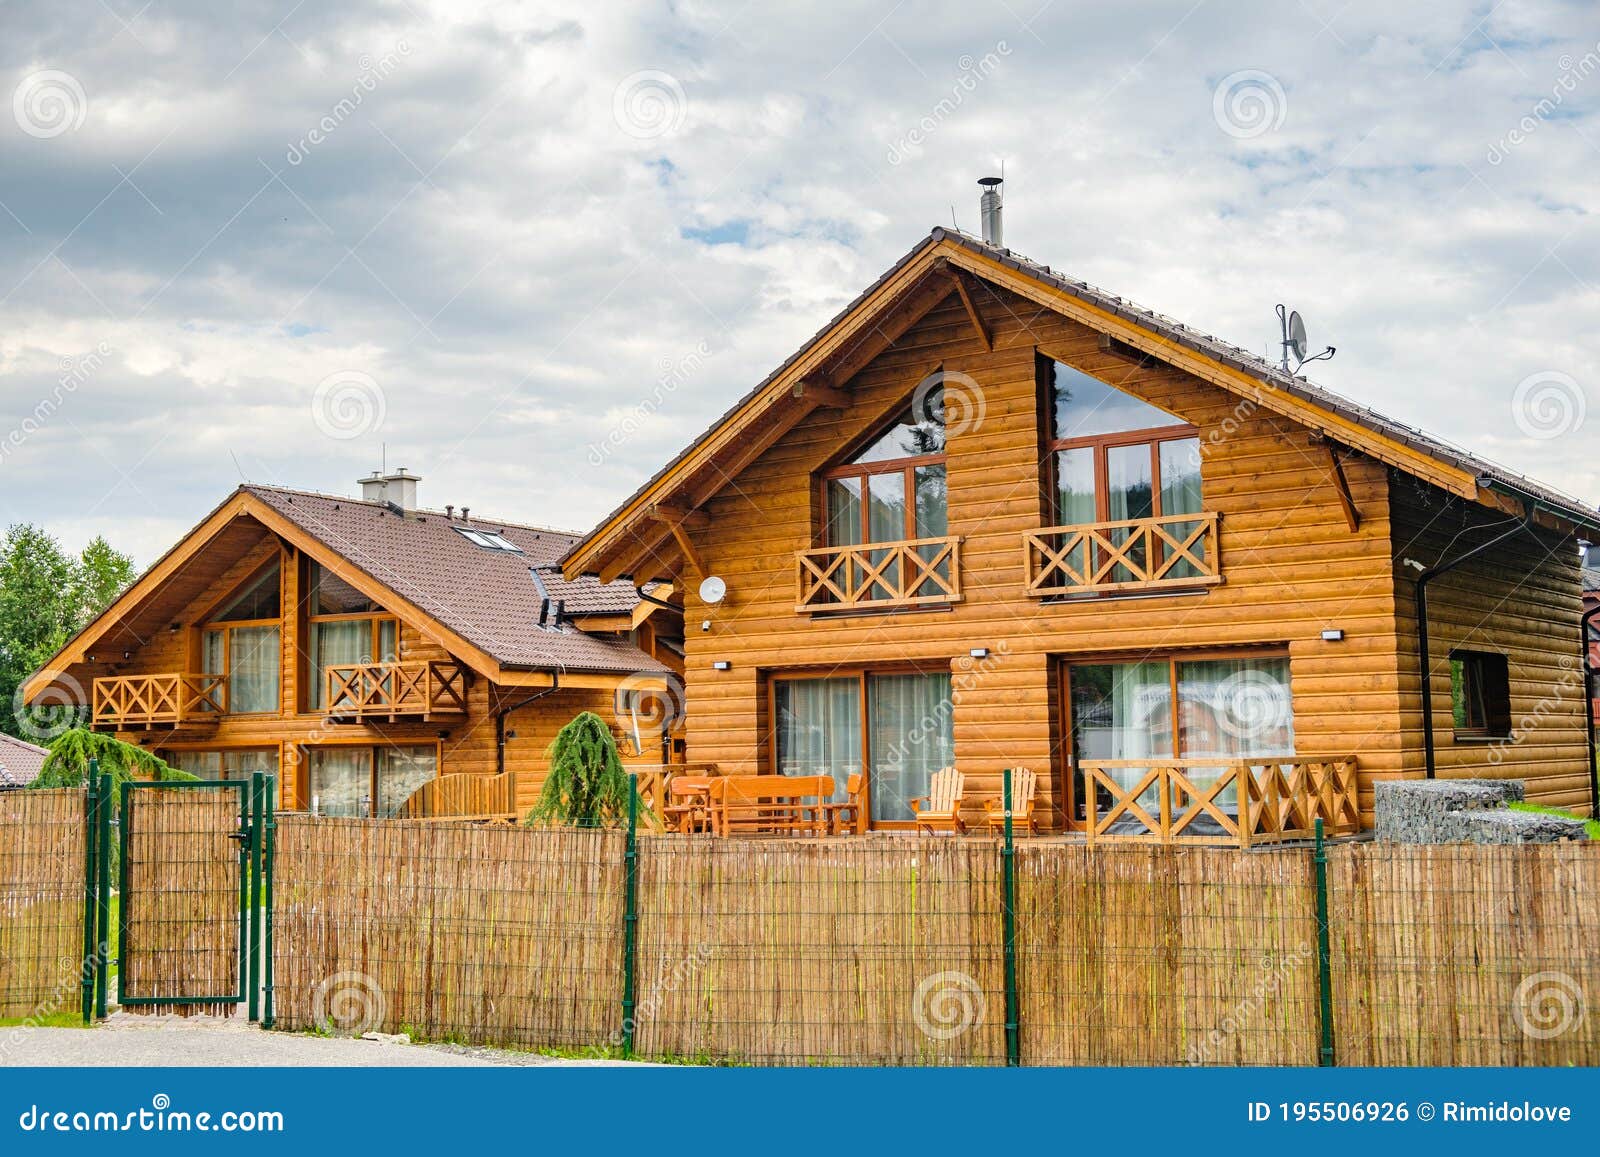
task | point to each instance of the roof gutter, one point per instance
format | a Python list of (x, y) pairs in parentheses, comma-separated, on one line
[(1577, 514), (1427, 576)]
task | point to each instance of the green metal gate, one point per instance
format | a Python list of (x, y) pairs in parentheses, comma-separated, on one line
[(194, 873)]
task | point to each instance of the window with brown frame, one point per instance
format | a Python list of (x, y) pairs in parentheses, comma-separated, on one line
[(1112, 457), (1480, 695), (242, 643), (344, 627)]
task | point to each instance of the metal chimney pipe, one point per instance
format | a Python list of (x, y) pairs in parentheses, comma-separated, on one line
[(989, 206)]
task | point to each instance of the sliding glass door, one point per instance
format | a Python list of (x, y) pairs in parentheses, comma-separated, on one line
[(892, 727)]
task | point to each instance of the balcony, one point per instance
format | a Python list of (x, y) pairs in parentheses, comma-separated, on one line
[(414, 689), (1198, 801), (1136, 554), (166, 699), (880, 576)]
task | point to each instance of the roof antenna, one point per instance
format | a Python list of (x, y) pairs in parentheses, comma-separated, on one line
[(1294, 341), (238, 467), (383, 456), (953, 224)]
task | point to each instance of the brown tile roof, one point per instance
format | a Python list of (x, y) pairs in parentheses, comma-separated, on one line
[(20, 762), (486, 596), (1230, 355)]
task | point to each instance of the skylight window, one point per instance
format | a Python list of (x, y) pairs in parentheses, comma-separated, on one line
[(488, 540)]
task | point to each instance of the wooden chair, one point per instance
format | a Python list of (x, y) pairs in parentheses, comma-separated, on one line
[(690, 808), (770, 804), (849, 812), (1023, 785), (940, 809)]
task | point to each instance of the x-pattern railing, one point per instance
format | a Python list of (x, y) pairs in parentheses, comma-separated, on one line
[(880, 575), (1221, 800), (163, 697), (406, 688), (1129, 554)]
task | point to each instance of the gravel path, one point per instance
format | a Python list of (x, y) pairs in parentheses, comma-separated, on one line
[(124, 1040)]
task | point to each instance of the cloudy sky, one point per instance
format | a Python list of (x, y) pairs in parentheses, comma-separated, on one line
[(535, 248)]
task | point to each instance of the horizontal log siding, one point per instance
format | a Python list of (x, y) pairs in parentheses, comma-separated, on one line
[(1293, 566), (1520, 599)]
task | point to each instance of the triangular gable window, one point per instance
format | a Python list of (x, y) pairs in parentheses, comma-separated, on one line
[(259, 600)]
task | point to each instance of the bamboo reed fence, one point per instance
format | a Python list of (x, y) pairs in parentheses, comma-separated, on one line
[(42, 855), (491, 934), (181, 899)]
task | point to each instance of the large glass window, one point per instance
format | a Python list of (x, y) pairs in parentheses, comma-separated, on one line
[(1183, 708), (345, 628), (906, 738), (242, 642), (1112, 457), (224, 763), (368, 781), (893, 490)]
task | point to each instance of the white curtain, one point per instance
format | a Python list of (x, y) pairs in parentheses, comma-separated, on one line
[(401, 771), (335, 644), (910, 736), (819, 729), (252, 669), (341, 780)]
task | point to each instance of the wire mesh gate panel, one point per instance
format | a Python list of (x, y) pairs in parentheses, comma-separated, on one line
[(185, 897), (493, 934), (42, 862)]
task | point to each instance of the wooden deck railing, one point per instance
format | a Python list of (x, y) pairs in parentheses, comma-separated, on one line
[(1177, 550), (653, 779), (880, 575), (464, 796), (1220, 801), (361, 690), (169, 697)]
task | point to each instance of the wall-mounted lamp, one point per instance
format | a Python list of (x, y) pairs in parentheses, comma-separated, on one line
[(175, 628), (722, 665), (979, 652), (705, 624), (1333, 636)]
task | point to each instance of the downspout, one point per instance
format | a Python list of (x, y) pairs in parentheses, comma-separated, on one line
[(500, 719), (646, 596), (1589, 673), (1423, 579)]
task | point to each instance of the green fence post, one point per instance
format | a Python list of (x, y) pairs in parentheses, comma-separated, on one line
[(124, 823), (1324, 952), (630, 915), (253, 942), (91, 899), (1008, 875), (103, 896), (269, 834)]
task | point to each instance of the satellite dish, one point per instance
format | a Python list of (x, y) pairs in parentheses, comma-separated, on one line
[(1297, 336), (713, 590)]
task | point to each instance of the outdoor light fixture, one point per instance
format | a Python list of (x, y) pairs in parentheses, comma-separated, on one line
[(722, 665), (1333, 636), (979, 652), (705, 624)]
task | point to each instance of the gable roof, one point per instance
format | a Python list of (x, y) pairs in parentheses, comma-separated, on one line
[(481, 605), (20, 762), (837, 351)]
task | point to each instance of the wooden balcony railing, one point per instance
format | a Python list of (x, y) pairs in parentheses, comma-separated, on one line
[(1177, 550), (166, 698), (464, 796), (653, 780), (1237, 802), (880, 575), (363, 690)]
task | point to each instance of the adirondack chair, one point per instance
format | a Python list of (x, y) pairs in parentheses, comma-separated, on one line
[(1023, 785), (940, 809)]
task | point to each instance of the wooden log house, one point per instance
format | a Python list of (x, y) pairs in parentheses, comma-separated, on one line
[(380, 658), (992, 517)]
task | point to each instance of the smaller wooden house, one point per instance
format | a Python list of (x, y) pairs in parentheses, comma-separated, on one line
[(380, 658)]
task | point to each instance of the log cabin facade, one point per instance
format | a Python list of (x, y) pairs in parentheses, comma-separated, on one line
[(990, 517), (378, 658)]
